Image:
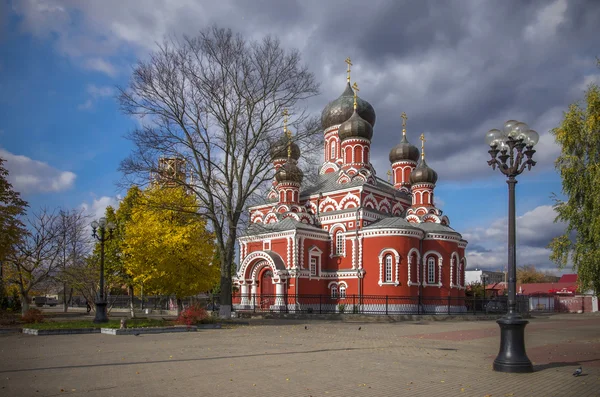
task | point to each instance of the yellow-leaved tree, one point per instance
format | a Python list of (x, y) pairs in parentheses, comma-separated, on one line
[(167, 245)]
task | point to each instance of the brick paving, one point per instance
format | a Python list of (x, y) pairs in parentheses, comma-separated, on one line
[(281, 358)]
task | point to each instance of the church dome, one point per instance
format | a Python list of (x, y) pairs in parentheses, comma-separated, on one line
[(289, 172), (423, 174), (279, 149), (404, 151), (341, 109), (355, 127)]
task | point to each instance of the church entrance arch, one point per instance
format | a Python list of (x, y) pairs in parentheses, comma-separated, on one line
[(267, 288)]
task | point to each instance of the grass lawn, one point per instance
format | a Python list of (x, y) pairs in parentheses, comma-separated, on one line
[(131, 323)]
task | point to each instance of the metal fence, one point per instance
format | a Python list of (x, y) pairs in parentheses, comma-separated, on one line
[(158, 302), (374, 304)]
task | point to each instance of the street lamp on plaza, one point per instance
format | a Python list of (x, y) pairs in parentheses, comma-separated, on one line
[(512, 151), (102, 231)]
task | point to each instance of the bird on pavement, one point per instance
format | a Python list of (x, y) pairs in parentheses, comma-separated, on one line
[(137, 334), (306, 327), (359, 328), (577, 372)]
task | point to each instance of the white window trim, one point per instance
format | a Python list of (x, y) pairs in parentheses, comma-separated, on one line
[(426, 256), (314, 252), (333, 235), (342, 291), (267, 245), (395, 267), (333, 291)]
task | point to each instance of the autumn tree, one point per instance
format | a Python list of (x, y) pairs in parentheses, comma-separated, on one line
[(579, 167), (35, 259), (114, 258), (216, 101), (12, 229), (167, 244), (74, 242), (529, 274)]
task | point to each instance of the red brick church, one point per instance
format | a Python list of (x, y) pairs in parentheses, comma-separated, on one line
[(350, 233)]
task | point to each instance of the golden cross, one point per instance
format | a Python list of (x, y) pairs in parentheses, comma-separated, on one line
[(349, 62), (404, 118), (423, 146), (285, 120), (389, 174), (355, 86)]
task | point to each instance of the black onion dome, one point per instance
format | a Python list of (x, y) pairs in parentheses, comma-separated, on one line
[(279, 149), (423, 174), (404, 151), (340, 110), (289, 172), (355, 127)]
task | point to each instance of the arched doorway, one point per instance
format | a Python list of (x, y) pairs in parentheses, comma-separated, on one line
[(267, 289)]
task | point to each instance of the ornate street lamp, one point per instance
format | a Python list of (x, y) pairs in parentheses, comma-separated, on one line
[(99, 232), (514, 144)]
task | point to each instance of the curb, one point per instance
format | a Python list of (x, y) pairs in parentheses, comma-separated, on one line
[(39, 332), (150, 330)]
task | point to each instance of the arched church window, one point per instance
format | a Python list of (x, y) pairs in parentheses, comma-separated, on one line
[(342, 291), (339, 243), (334, 291), (388, 268), (332, 155), (431, 270)]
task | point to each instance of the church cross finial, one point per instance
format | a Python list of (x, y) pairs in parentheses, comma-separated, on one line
[(287, 132), (404, 118), (349, 62), (423, 146), (355, 86)]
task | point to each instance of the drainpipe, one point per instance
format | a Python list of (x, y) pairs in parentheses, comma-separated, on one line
[(420, 271)]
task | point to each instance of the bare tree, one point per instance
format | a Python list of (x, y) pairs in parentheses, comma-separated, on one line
[(75, 244), (216, 102), (36, 259)]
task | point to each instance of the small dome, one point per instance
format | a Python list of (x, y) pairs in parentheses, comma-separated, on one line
[(423, 174), (279, 149), (341, 109), (404, 151), (289, 172), (355, 127)]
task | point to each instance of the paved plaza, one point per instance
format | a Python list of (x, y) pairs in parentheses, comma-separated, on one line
[(330, 358)]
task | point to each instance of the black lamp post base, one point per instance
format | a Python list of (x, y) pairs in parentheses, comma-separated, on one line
[(101, 316), (512, 356)]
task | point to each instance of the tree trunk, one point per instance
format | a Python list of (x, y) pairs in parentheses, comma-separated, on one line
[(179, 306), (65, 304), (24, 302), (131, 306), (225, 301)]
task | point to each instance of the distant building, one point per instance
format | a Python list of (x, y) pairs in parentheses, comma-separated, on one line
[(474, 276)]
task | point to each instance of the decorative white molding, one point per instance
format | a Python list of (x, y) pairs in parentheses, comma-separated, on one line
[(382, 254), (392, 232), (410, 256)]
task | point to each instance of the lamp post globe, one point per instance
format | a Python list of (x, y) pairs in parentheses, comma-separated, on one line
[(101, 231), (512, 150)]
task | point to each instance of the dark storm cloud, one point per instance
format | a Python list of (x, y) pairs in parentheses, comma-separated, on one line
[(458, 68)]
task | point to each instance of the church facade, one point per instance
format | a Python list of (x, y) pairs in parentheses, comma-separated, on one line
[(350, 233)]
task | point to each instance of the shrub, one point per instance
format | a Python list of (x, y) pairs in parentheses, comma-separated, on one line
[(341, 307), (33, 316), (192, 315)]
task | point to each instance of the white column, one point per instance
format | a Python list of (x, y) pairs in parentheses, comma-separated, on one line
[(253, 291), (245, 301), (279, 292)]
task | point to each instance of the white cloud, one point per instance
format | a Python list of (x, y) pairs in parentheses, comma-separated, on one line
[(100, 65), (97, 208), (86, 105), (95, 92), (547, 21), (535, 230), (30, 176)]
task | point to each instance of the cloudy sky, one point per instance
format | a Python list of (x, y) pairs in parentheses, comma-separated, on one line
[(457, 68)]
